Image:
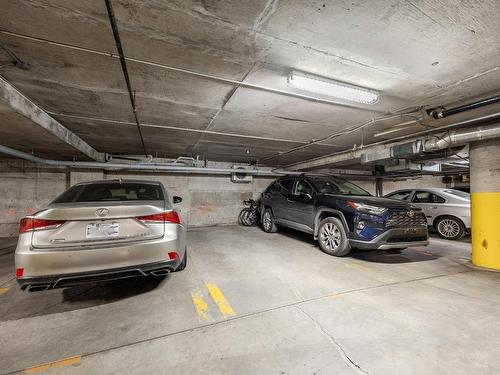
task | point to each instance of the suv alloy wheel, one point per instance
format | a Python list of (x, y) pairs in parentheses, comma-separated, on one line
[(332, 237), (268, 221)]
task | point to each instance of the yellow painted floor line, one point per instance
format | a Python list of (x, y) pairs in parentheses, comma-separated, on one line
[(355, 265), (4, 290), (219, 299), (200, 305), (54, 364)]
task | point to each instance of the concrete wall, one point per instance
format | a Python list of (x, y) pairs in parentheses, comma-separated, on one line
[(24, 188), (207, 200)]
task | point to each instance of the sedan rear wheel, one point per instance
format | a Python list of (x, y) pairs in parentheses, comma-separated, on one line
[(450, 228), (332, 237)]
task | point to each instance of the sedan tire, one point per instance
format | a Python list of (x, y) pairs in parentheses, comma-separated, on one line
[(332, 237), (450, 228)]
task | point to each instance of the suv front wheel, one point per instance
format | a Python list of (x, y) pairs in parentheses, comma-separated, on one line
[(332, 237)]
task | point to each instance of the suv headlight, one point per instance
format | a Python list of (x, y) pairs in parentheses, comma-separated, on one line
[(369, 209)]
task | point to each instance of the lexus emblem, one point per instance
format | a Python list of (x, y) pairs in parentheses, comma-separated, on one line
[(101, 212), (411, 213)]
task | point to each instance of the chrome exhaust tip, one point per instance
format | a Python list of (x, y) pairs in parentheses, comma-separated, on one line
[(162, 272), (37, 288)]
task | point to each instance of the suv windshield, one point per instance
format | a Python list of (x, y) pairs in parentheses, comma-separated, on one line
[(335, 185), (104, 192)]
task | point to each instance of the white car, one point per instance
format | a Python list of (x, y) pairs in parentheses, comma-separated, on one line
[(447, 210)]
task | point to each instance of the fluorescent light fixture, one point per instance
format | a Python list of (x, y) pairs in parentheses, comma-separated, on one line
[(329, 87)]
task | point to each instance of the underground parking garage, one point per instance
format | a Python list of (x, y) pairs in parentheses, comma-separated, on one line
[(263, 187)]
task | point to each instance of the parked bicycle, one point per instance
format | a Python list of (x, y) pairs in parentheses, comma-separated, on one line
[(249, 216)]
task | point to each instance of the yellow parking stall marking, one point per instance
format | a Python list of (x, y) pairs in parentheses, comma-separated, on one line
[(200, 305), (355, 265), (54, 364), (4, 290), (219, 299)]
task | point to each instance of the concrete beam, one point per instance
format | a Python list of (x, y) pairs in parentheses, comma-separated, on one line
[(14, 99)]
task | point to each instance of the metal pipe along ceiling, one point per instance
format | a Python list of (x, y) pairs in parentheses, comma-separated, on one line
[(139, 166), (460, 137), (438, 113), (329, 159)]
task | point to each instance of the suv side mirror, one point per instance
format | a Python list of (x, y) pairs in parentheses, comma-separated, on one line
[(177, 199)]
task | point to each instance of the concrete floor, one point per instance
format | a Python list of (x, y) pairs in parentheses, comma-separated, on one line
[(266, 304)]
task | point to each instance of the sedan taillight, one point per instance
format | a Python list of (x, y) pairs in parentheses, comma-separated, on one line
[(164, 217), (28, 224)]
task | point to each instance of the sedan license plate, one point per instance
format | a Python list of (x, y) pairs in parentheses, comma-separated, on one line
[(102, 230)]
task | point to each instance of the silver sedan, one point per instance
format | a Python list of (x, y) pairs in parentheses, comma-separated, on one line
[(447, 210), (101, 230)]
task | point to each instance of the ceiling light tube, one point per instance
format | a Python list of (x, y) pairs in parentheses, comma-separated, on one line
[(329, 87)]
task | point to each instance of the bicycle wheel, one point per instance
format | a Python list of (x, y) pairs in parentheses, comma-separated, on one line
[(243, 217), (251, 218)]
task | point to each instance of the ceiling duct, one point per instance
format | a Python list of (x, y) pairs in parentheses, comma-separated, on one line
[(403, 166), (461, 137), (438, 145), (375, 156), (435, 147)]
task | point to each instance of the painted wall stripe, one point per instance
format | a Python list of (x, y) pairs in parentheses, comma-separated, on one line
[(219, 299), (200, 305), (54, 364)]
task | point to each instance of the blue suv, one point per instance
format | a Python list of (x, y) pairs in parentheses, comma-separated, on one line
[(341, 215)]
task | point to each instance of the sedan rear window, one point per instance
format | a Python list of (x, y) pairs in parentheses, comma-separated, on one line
[(458, 193), (108, 192)]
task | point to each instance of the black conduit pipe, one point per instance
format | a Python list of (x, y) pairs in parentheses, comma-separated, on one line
[(123, 62), (438, 113)]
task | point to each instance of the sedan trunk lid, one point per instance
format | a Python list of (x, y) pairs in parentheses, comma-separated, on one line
[(95, 224)]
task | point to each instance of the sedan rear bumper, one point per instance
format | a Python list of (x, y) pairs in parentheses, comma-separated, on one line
[(395, 238), (40, 283), (41, 262)]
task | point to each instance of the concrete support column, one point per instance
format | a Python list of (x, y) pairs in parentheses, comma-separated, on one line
[(485, 203)]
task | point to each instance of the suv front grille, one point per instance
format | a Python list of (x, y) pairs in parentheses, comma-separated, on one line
[(406, 219)]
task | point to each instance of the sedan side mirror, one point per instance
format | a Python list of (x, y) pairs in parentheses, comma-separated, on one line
[(177, 199)]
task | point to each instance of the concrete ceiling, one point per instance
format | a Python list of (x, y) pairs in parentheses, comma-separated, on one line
[(416, 53)]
